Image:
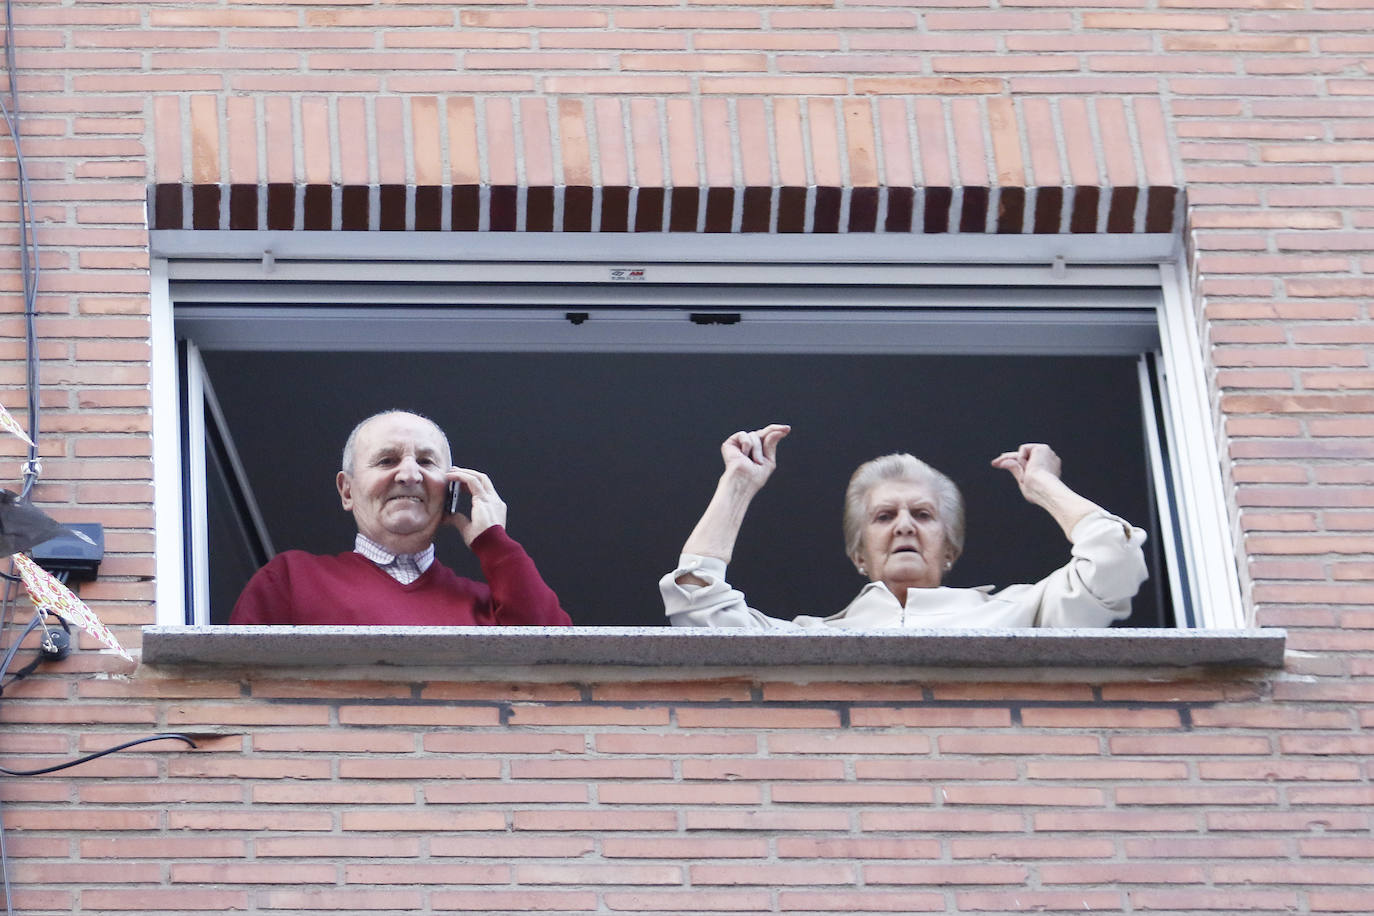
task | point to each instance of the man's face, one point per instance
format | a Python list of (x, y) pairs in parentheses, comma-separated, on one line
[(396, 488)]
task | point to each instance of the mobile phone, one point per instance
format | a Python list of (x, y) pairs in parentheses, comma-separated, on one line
[(452, 496)]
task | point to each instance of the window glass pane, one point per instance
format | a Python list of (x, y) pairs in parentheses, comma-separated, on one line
[(606, 460), (233, 550)]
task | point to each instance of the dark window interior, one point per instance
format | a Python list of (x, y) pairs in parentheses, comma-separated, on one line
[(606, 459)]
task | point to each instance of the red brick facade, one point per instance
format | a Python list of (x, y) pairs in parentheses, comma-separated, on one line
[(591, 791)]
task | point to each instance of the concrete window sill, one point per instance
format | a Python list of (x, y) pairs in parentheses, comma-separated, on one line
[(668, 647)]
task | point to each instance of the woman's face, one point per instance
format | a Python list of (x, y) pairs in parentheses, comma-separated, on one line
[(903, 543)]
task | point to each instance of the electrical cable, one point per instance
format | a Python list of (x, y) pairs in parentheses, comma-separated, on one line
[(98, 754), (28, 251), (4, 854), (34, 624), (29, 271), (7, 600), (14, 647), (51, 648)]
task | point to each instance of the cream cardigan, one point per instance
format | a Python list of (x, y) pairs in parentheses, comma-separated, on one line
[(1093, 589)]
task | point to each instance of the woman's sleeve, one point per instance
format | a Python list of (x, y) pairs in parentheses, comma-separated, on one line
[(714, 604), (1105, 571)]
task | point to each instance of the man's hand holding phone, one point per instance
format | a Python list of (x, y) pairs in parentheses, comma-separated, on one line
[(486, 508)]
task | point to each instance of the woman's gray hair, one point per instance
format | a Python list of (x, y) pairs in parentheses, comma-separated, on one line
[(949, 503), (350, 444)]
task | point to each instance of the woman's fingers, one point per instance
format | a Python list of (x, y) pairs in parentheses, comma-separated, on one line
[(772, 435), (759, 445)]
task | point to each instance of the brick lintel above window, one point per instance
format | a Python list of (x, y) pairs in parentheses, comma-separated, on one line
[(785, 165)]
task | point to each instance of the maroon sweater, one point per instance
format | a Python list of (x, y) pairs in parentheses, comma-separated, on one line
[(348, 589)]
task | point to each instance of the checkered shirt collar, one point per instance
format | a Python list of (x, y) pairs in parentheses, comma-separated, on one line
[(404, 568)]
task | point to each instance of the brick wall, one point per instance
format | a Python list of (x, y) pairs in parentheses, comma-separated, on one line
[(1207, 794), (1049, 791)]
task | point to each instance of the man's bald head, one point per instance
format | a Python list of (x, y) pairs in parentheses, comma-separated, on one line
[(351, 444)]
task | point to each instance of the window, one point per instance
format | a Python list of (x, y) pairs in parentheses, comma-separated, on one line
[(596, 395)]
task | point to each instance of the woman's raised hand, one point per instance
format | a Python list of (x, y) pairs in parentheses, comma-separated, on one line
[(1037, 471), (751, 457), (1034, 465)]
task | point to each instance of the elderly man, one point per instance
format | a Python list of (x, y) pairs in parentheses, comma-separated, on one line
[(396, 479)]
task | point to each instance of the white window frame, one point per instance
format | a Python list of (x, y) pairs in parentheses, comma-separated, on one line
[(1202, 550)]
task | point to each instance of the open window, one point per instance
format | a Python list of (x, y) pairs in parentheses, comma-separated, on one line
[(596, 396)]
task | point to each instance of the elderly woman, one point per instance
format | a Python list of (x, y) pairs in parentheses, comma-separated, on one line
[(904, 529)]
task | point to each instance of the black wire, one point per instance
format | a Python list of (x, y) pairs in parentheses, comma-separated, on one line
[(89, 757), (34, 624), (7, 602), (28, 268), (9, 52), (28, 250), (4, 667), (46, 646)]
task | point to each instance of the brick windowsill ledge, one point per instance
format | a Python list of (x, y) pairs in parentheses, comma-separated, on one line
[(669, 647)]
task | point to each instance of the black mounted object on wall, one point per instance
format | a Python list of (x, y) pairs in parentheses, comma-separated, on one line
[(68, 553)]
